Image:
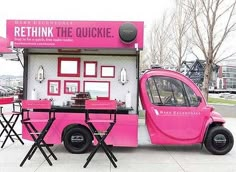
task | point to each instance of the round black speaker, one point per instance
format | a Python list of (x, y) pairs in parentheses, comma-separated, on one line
[(127, 32)]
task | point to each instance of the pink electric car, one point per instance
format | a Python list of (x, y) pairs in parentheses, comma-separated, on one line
[(177, 113)]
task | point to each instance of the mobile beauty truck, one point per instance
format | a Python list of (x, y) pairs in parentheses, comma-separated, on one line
[(71, 61)]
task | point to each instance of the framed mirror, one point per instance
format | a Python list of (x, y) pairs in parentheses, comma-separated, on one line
[(97, 88), (69, 67), (71, 87), (107, 71), (90, 69), (54, 87)]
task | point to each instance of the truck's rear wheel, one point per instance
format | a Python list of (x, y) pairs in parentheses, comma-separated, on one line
[(77, 140), (219, 140)]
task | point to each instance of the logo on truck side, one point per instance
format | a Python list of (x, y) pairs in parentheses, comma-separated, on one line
[(178, 113)]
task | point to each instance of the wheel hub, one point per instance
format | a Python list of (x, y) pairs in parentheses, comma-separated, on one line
[(220, 140), (77, 138)]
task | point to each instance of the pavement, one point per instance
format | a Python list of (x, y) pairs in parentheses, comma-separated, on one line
[(145, 157)]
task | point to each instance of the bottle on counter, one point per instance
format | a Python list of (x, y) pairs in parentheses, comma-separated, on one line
[(34, 95), (128, 103)]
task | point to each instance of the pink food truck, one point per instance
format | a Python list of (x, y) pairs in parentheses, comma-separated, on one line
[(69, 62)]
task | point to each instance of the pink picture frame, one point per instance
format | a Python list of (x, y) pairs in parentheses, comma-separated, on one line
[(68, 67), (71, 86), (107, 71), (97, 88), (90, 69), (54, 87)]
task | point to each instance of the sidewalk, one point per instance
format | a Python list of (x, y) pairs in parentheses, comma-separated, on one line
[(146, 157)]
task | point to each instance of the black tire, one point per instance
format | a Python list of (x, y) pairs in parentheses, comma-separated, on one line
[(219, 140), (77, 140)]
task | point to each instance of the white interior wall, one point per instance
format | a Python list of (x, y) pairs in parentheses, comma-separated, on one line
[(49, 63)]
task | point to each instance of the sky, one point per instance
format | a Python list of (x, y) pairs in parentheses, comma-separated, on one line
[(102, 10)]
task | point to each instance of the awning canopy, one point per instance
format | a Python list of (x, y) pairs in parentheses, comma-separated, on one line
[(4, 46)]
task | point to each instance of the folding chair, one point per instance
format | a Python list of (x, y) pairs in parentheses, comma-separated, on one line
[(28, 108), (9, 119), (101, 107)]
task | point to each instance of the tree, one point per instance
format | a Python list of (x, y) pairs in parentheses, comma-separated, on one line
[(212, 22), (144, 61), (180, 40), (168, 40), (159, 40)]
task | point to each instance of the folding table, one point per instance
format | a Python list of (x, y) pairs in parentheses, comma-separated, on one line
[(41, 106), (9, 119), (98, 107)]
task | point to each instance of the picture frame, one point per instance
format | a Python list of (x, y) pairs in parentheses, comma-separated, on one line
[(71, 86), (90, 69), (97, 88), (68, 67), (54, 87), (107, 71)]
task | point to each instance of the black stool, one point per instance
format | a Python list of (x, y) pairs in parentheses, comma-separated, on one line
[(101, 107), (9, 119), (38, 136)]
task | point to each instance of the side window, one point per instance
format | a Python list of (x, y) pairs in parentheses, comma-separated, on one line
[(171, 92), (152, 92), (192, 97), (166, 91)]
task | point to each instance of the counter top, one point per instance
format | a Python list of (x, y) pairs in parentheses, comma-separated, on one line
[(72, 109)]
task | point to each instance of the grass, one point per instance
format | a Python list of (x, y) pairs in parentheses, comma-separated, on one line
[(221, 101)]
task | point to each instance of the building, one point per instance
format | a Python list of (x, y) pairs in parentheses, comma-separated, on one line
[(226, 78)]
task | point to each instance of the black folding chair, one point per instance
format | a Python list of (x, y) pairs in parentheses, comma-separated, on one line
[(101, 107), (38, 136), (9, 119)]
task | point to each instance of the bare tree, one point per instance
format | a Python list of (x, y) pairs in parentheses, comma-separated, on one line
[(144, 61), (212, 23), (180, 26), (159, 39)]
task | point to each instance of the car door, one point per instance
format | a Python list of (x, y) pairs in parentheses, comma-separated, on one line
[(174, 108)]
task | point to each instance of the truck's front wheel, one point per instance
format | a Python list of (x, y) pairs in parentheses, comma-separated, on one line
[(219, 140), (77, 140)]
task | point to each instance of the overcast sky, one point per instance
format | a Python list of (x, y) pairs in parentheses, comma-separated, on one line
[(108, 10)]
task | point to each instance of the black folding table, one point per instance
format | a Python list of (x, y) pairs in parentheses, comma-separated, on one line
[(101, 107)]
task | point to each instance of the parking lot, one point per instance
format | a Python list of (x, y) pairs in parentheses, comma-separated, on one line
[(146, 157)]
